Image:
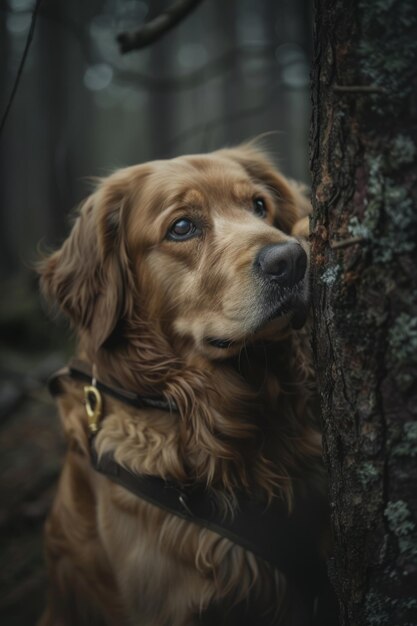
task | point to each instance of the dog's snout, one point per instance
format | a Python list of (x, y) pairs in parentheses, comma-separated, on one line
[(285, 263)]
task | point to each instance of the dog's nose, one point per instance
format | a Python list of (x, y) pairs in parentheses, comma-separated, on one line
[(285, 263)]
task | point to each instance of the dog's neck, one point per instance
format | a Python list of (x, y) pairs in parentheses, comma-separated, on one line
[(243, 421)]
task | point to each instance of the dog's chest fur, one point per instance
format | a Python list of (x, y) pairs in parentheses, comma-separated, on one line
[(156, 558)]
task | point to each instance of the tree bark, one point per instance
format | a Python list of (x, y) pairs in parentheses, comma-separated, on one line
[(364, 271)]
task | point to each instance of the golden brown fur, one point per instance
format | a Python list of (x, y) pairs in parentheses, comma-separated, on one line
[(143, 307)]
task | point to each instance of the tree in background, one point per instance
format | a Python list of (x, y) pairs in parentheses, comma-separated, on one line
[(364, 239)]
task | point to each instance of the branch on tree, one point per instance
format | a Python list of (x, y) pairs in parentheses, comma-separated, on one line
[(365, 89), (157, 27), (21, 66), (346, 243)]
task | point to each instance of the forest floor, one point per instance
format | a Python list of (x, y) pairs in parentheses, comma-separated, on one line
[(31, 451)]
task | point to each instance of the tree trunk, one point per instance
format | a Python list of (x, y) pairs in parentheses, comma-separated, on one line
[(364, 237)]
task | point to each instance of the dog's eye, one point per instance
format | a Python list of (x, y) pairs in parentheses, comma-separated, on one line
[(182, 229), (259, 207)]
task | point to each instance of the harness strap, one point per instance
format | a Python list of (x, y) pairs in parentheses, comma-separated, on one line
[(287, 541), (79, 370)]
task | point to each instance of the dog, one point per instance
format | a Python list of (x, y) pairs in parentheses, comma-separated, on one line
[(185, 279)]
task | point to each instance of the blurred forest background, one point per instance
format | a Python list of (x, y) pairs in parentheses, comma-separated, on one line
[(233, 69)]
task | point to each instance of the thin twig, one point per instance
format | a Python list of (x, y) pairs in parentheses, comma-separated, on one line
[(345, 243), (359, 89), (156, 28), (22, 64), (214, 67)]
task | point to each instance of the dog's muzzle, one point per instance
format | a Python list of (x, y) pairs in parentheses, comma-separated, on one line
[(281, 270), (284, 263)]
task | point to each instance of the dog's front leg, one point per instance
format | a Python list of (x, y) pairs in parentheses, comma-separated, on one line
[(82, 590)]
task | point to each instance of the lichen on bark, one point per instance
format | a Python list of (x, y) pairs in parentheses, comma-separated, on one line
[(364, 167)]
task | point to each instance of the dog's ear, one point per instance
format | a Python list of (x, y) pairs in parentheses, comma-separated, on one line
[(301, 228), (291, 203), (89, 276)]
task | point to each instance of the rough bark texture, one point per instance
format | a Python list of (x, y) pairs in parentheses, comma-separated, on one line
[(364, 238)]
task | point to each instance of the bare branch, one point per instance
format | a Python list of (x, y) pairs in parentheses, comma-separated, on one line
[(22, 65), (365, 89), (156, 28), (346, 243)]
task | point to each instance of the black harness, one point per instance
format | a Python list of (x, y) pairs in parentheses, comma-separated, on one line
[(288, 541)]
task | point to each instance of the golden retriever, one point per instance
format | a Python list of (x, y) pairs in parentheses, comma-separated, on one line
[(183, 279)]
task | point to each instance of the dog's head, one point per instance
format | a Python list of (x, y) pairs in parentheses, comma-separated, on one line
[(202, 245)]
